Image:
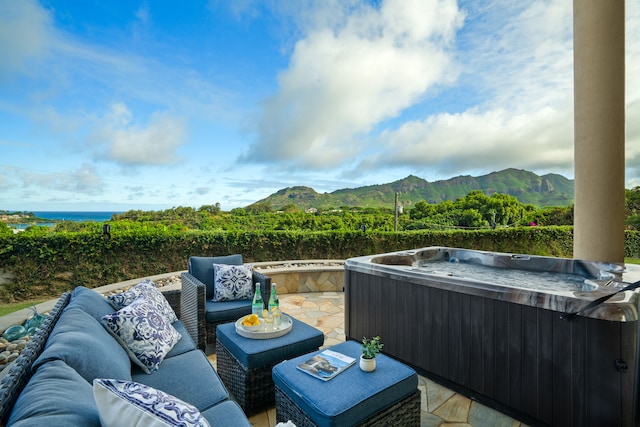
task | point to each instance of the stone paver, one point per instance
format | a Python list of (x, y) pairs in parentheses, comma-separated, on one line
[(455, 409), (436, 395)]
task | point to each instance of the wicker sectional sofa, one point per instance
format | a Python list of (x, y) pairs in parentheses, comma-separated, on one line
[(51, 381)]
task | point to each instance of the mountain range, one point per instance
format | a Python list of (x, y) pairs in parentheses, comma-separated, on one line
[(527, 187)]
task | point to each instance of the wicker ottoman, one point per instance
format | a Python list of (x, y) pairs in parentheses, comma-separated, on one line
[(387, 396), (245, 364)]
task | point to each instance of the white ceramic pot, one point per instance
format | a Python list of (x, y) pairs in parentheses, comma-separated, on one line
[(367, 365)]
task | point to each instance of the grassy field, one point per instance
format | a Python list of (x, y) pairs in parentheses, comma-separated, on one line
[(10, 308)]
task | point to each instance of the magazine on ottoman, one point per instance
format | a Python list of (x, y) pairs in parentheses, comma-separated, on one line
[(326, 364)]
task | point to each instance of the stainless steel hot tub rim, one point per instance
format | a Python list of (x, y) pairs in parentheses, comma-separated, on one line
[(404, 265)]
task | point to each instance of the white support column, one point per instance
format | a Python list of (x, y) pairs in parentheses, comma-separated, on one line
[(599, 122)]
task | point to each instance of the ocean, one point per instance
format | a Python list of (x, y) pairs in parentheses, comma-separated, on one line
[(77, 216), (66, 216)]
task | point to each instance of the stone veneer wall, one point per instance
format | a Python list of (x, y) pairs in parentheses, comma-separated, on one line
[(304, 275)]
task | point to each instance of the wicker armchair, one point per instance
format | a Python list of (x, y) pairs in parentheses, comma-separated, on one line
[(198, 312)]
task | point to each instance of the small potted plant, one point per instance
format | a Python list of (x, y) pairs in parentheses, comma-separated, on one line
[(370, 349)]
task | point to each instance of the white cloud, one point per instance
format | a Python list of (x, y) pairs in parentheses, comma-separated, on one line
[(129, 144), (525, 118), (143, 13), (451, 144), (632, 93), (25, 33), (344, 80), (510, 63), (84, 180), (521, 54), (5, 183)]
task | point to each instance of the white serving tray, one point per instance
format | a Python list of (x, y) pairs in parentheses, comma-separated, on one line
[(285, 328)]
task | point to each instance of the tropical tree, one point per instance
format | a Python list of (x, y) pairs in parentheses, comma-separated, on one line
[(5, 230), (632, 208)]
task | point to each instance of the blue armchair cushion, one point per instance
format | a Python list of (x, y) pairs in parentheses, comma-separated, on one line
[(36, 408), (143, 332), (150, 291), (215, 312), (134, 404), (202, 268), (83, 343), (232, 282)]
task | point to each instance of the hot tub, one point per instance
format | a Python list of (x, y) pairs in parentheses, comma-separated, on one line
[(493, 327)]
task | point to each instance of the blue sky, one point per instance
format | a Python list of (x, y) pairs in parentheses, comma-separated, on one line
[(118, 105)]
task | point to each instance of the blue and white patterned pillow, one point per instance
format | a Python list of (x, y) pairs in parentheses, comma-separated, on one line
[(151, 292), (141, 405), (232, 282), (143, 333)]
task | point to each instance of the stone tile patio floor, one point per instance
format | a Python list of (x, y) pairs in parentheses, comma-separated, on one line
[(440, 406)]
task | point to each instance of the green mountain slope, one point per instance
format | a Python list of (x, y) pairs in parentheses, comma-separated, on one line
[(529, 188)]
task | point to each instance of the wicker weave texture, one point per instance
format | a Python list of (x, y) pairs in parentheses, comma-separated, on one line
[(173, 298), (252, 388), (192, 309), (20, 372), (405, 412), (211, 329)]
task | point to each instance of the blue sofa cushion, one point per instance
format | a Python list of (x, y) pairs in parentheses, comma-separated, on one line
[(176, 377), (85, 345), (353, 395), (90, 301), (202, 268), (258, 353), (227, 413), (72, 405), (185, 344), (215, 312)]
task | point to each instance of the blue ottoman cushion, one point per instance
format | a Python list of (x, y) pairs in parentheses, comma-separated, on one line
[(252, 353), (353, 395)]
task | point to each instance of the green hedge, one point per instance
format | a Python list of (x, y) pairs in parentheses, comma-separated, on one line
[(47, 264)]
